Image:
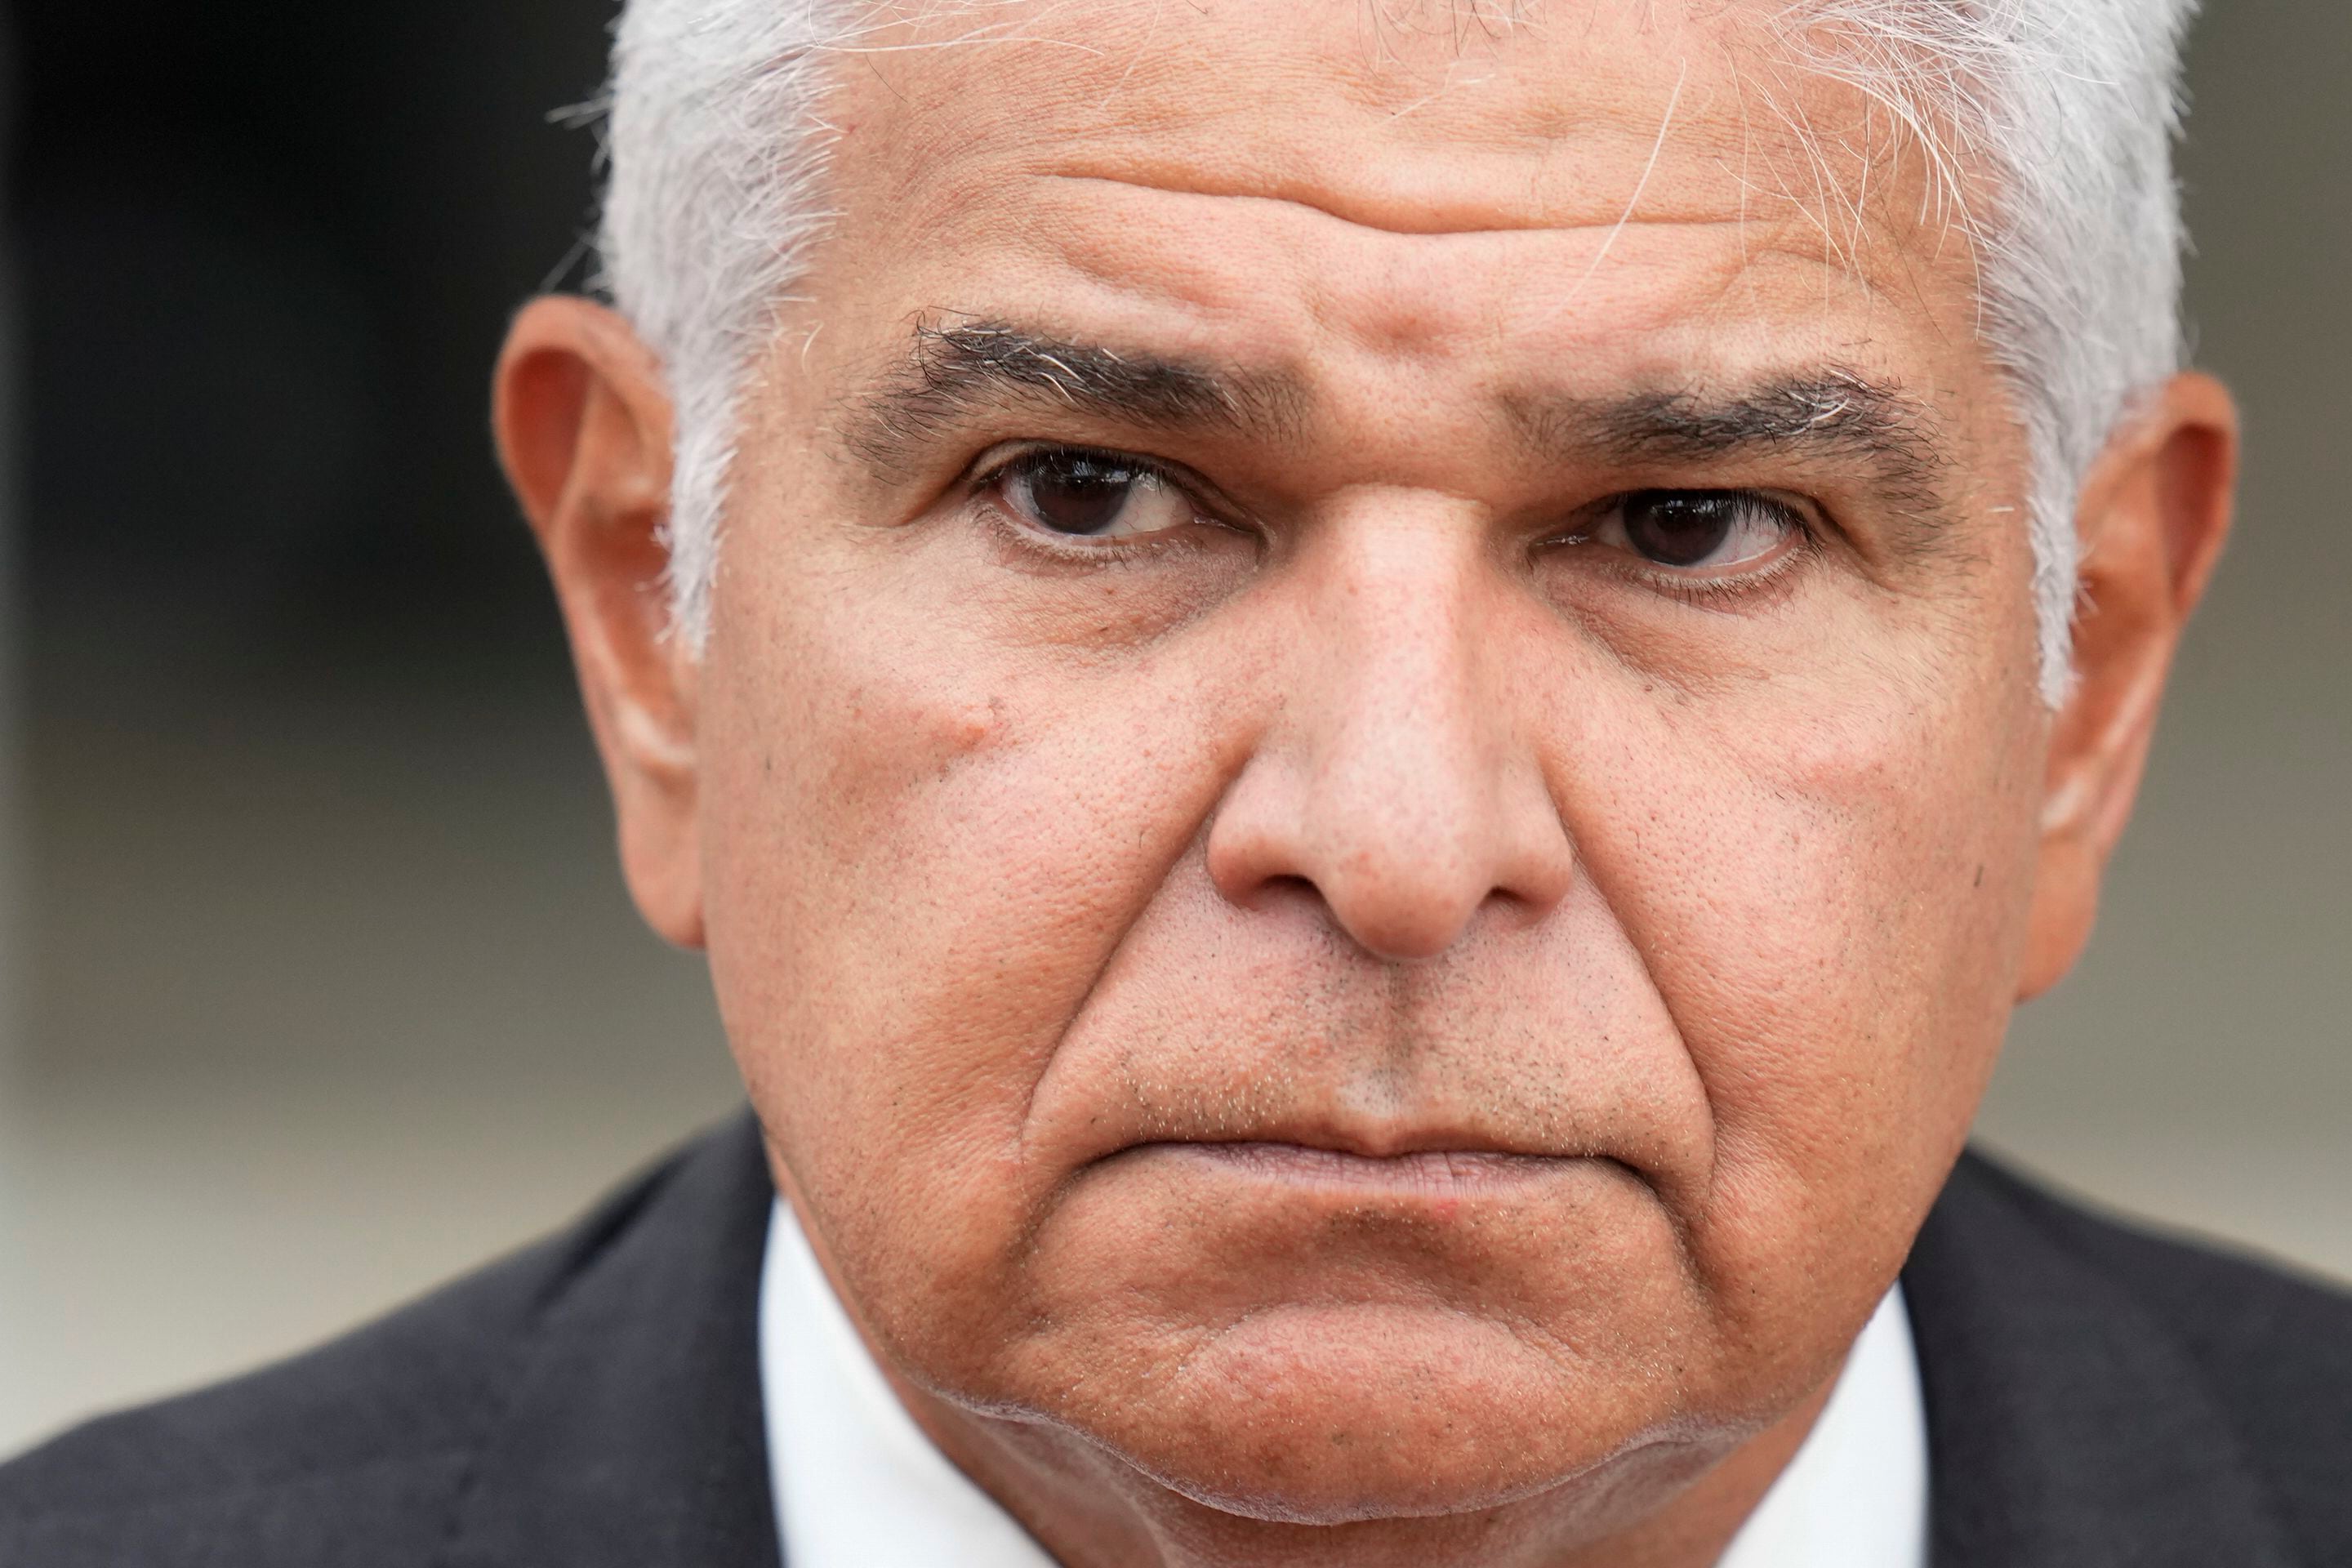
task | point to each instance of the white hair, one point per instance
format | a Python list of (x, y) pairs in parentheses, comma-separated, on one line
[(2068, 107)]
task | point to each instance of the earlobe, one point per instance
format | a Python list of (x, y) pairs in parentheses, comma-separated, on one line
[(583, 427), (2155, 511)]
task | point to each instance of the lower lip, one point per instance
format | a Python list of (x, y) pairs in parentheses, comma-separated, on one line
[(1430, 1173)]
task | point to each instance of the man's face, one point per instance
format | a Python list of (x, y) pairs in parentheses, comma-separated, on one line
[(1369, 758)]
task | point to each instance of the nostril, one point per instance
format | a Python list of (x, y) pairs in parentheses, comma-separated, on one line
[(1268, 892)]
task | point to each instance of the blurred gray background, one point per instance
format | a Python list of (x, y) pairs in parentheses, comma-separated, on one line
[(317, 980)]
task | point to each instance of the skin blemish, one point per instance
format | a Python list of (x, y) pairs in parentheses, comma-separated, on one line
[(969, 732)]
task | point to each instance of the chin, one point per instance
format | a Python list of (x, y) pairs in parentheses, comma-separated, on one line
[(1334, 1414)]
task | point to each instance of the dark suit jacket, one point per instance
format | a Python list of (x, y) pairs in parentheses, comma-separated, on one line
[(2095, 1399)]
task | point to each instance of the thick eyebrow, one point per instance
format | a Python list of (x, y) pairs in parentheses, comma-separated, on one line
[(953, 373), (1835, 415)]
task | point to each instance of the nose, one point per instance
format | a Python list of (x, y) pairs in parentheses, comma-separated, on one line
[(1395, 785)]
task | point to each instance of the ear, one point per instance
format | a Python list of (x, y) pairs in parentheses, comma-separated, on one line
[(2153, 515), (583, 427)]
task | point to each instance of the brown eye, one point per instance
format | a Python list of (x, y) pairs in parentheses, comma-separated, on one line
[(1092, 495), (1688, 529)]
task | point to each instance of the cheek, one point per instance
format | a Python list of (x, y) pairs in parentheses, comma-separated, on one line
[(1828, 882), (920, 857)]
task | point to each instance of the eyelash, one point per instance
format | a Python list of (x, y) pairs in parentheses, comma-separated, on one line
[(1698, 591), (1073, 551), (1711, 593)]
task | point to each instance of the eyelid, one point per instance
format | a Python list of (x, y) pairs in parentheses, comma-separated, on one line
[(993, 464), (1002, 458), (1802, 517), (1806, 530)]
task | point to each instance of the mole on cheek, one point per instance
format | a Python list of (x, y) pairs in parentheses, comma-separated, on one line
[(964, 732)]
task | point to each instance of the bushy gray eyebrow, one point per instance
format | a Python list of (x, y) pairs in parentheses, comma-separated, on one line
[(954, 373), (1835, 415)]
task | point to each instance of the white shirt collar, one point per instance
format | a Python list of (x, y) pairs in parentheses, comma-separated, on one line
[(858, 1484)]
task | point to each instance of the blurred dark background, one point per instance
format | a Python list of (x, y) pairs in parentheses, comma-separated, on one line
[(321, 980), (325, 981), (265, 250)]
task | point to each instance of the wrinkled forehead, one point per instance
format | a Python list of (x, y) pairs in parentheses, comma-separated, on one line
[(1629, 177), (1415, 115)]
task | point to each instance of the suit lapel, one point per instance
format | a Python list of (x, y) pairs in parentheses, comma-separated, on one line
[(2067, 1428), (629, 1432)]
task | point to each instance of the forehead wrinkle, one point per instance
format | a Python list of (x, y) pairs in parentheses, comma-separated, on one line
[(1566, 139), (1727, 243), (1568, 149), (1430, 219)]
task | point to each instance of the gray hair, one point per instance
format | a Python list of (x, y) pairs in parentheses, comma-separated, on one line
[(2070, 107)]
